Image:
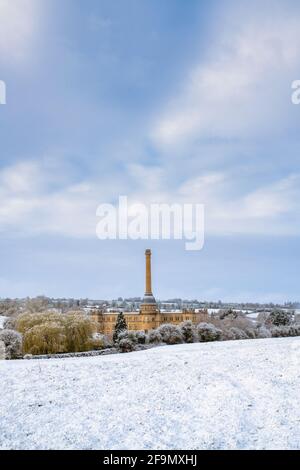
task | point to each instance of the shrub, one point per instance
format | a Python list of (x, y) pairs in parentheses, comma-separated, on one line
[(130, 335), (170, 334), (2, 350), (208, 332), (227, 335), (101, 341), (10, 323), (285, 331), (9, 307), (188, 331), (263, 332), (262, 317), (126, 345), (237, 333), (13, 343), (280, 331), (251, 333), (295, 329), (141, 337), (154, 337), (97, 342), (280, 318), (233, 333)]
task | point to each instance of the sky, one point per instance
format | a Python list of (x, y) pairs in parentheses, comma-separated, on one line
[(168, 102)]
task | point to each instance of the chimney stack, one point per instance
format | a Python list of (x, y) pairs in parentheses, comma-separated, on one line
[(148, 273), (149, 305)]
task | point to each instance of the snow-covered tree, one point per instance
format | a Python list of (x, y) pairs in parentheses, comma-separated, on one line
[(126, 345), (188, 331), (238, 333), (280, 318), (38, 304), (295, 329), (49, 333), (228, 313), (170, 334), (79, 331), (154, 337), (10, 323), (120, 326), (208, 332), (101, 341), (285, 331), (46, 338), (263, 332), (131, 335), (9, 307), (13, 343), (262, 317), (141, 337), (251, 333)]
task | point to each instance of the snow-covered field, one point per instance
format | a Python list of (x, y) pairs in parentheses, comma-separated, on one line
[(253, 316), (231, 395)]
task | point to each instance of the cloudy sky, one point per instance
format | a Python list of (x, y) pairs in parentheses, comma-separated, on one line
[(169, 101)]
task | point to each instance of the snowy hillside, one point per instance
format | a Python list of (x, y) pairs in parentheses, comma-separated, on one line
[(242, 394)]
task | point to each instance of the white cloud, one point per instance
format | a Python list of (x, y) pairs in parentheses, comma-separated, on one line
[(29, 204), (19, 23), (275, 200), (273, 209), (234, 99), (23, 177), (242, 90)]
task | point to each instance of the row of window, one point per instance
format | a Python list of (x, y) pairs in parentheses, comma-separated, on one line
[(147, 319)]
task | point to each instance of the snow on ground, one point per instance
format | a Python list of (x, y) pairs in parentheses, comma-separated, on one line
[(2, 320), (253, 316), (211, 311), (215, 311), (230, 395)]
